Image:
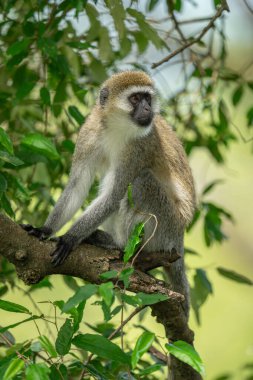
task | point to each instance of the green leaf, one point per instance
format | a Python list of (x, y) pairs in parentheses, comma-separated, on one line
[(76, 114), (48, 346), (133, 241), (3, 184), (231, 275), (68, 145), (211, 185), (223, 111), (29, 28), (3, 329), (100, 346), (18, 47), (16, 365), (125, 275), (125, 47), (144, 299), (174, 5), (6, 141), (78, 315), (13, 307), (152, 4), (250, 85), (150, 369), (141, 41), (37, 372), (216, 3), (6, 157), (237, 95), (48, 47), (105, 47), (95, 25), (150, 299), (45, 96), (142, 345), (41, 144), (63, 341), (82, 294), (118, 14), (59, 98), (60, 372), (130, 300), (108, 275), (3, 290), (200, 292), (187, 354), (149, 32), (45, 283), (80, 45), (250, 117), (24, 90), (98, 70), (106, 291), (6, 206), (97, 371)]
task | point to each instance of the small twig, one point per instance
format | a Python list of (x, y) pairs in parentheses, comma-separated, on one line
[(121, 324), (240, 133), (17, 352), (158, 354), (148, 240), (222, 8), (27, 293), (136, 311), (193, 20)]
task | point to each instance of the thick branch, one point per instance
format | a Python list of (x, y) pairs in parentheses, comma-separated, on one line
[(223, 7), (32, 261)]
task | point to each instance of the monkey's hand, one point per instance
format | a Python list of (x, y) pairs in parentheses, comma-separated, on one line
[(41, 233), (63, 248)]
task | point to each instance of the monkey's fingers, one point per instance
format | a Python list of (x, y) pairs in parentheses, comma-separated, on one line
[(60, 254), (26, 227), (41, 233)]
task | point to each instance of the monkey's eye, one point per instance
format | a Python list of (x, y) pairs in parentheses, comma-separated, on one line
[(134, 99)]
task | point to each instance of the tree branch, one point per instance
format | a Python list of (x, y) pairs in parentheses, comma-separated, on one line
[(223, 7), (32, 261)]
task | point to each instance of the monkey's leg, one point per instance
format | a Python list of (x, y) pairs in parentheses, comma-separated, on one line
[(101, 239)]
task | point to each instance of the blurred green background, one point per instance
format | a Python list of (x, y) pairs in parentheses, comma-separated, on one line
[(225, 337)]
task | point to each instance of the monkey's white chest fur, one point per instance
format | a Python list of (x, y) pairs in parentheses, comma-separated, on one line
[(119, 131)]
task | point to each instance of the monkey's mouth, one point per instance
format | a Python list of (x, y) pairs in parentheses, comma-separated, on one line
[(144, 121)]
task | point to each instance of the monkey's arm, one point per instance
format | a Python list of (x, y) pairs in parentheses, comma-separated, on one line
[(81, 178), (85, 161), (113, 190)]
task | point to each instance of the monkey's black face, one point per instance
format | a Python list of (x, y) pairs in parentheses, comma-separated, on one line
[(142, 113)]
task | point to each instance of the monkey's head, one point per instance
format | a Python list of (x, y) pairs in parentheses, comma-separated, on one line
[(129, 97)]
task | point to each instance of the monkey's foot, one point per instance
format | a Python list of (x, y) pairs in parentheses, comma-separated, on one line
[(63, 249), (41, 233)]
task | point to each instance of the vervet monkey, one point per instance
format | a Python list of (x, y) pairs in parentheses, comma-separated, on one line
[(126, 141)]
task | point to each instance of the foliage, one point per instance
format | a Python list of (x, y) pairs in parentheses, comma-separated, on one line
[(54, 56)]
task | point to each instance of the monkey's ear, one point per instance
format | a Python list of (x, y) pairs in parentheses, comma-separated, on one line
[(104, 93)]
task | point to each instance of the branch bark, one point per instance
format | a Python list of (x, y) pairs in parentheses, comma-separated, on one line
[(223, 7), (32, 261)]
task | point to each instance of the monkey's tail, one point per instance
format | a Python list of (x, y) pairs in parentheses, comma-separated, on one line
[(179, 282)]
